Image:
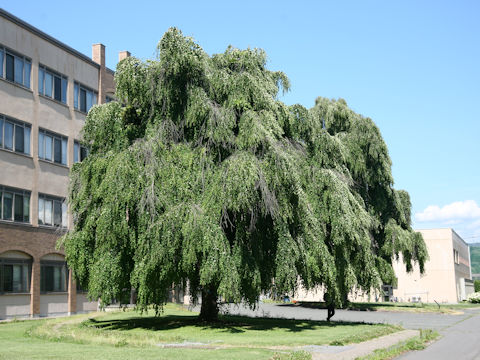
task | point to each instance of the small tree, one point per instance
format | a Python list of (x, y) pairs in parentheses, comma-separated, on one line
[(199, 173), (476, 285)]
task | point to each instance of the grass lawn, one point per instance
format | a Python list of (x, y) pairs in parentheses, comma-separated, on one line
[(175, 334), (392, 306)]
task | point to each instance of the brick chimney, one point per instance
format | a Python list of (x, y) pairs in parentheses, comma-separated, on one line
[(98, 54), (123, 55)]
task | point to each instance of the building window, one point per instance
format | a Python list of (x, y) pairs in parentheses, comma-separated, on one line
[(80, 152), (52, 211), (15, 204), (455, 257), (15, 275), (14, 135), (84, 98), (52, 84), (15, 67), (53, 276), (52, 147)]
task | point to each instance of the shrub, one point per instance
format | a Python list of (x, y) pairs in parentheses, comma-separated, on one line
[(474, 298), (476, 285)]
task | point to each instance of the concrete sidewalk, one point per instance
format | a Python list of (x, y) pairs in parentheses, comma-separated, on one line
[(352, 351)]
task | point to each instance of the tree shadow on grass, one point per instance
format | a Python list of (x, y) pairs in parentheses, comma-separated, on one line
[(226, 323)]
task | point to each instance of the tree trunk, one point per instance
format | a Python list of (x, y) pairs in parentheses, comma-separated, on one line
[(209, 309)]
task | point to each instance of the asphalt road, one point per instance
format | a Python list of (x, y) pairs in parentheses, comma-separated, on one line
[(408, 320), (460, 334), (461, 341)]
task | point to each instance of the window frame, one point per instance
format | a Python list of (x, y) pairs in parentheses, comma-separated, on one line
[(42, 198), (26, 80), (27, 140), (63, 152), (55, 264), (77, 102), (77, 151), (12, 261), (42, 69), (456, 256), (15, 192)]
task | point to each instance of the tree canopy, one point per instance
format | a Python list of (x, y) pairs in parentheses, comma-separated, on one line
[(200, 173)]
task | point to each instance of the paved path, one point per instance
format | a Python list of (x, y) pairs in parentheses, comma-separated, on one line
[(353, 351), (460, 341), (408, 320)]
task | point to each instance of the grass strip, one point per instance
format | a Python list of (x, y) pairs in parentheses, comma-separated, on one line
[(296, 355), (419, 342)]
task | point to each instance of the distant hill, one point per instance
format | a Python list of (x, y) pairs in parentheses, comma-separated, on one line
[(475, 258)]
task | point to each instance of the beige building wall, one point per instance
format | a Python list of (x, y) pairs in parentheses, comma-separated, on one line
[(446, 279), (27, 105), (443, 280), (316, 295), (28, 172), (463, 273)]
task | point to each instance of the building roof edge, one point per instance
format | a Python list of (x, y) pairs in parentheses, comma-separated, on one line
[(447, 228), (48, 38)]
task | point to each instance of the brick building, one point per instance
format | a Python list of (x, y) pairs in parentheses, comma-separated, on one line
[(46, 90)]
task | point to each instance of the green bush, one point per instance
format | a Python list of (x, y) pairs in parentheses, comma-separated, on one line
[(476, 285), (474, 298)]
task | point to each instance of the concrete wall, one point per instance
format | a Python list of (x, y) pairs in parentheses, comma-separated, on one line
[(51, 304), (316, 295), (85, 305), (12, 305), (462, 267), (469, 287)]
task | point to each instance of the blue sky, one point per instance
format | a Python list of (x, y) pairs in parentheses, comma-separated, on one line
[(412, 66)]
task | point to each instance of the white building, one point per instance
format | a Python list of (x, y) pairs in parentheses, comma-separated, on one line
[(447, 277)]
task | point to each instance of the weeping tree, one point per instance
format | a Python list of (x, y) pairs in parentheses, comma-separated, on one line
[(198, 174), (361, 151)]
